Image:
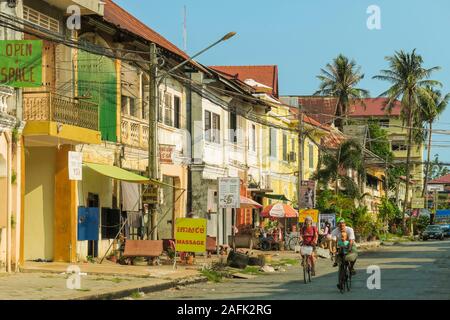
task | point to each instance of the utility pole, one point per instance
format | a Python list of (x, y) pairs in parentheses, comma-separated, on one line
[(153, 138)]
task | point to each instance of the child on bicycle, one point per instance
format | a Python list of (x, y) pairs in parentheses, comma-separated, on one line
[(343, 243)]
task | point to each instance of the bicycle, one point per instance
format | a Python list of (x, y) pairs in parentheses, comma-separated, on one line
[(294, 242), (306, 252), (345, 276)]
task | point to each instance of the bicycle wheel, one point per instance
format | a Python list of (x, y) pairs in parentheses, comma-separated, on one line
[(348, 278), (342, 276), (293, 242), (305, 271), (309, 269)]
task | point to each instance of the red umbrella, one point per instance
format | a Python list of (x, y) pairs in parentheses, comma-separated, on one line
[(279, 210)]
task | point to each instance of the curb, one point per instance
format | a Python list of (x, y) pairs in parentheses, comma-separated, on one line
[(122, 293)]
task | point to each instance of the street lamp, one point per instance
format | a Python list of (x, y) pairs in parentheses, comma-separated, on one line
[(155, 82)]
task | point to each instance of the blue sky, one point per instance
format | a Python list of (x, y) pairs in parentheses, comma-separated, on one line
[(301, 36)]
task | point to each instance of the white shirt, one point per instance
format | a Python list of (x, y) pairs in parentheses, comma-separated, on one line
[(337, 233)]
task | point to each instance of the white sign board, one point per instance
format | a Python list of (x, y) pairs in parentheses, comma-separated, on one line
[(435, 187), (75, 165), (229, 193)]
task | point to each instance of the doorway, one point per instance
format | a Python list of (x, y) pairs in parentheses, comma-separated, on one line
[(167, 214), (93, 202)]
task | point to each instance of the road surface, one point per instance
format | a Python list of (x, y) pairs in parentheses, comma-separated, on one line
[(418, 270)]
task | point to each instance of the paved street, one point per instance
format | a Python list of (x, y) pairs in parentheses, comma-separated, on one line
[(419, 270)]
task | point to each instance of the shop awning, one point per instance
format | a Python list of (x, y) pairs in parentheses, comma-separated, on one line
[(247, 203), (280, 197), (122, 174)]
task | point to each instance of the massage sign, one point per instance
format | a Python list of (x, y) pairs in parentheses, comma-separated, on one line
[(21, 63), (190, 235)]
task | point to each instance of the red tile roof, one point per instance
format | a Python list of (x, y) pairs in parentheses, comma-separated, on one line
[(323, 109), (441, 180), (374, 107), (308, 119), (266, 75), (119, 17), (333, 140)]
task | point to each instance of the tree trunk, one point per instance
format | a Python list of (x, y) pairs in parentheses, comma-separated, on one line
[(337, 171), (427, 168), (408, 164)]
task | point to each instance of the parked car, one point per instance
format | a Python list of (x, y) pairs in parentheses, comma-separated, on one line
[(433, 232), (446, 228)]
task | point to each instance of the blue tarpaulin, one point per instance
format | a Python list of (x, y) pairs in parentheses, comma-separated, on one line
[(442, 217)]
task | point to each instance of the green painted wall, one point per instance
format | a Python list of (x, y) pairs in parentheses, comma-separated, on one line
[(97, 79)]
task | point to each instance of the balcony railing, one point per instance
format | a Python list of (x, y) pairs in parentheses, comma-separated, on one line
[(134, 132), (48, 106)]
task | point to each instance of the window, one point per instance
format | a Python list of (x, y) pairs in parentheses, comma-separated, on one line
[(311, 156), (212, 127), (384, 123), (285, 151), (216, 128), (399, 146), (160, 106), (133, 106), (145, 102), (253, 138), (208, 126), (129, 106), (124, 105), (233, 127), (40, 19), (177, 111), (168, 107), (273, 142)]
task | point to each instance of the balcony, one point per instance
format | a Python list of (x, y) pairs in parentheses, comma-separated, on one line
[(50, 114), (47, 106), (134, 132)]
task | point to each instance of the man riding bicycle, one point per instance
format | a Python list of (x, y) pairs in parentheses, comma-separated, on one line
[(309, 235), (347, 244)]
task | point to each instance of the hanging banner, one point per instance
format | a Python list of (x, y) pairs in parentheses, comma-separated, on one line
[(308, 212), (75, 166), (308, 192), (229, 193), (190, 235), (21, 63), (327, 217)]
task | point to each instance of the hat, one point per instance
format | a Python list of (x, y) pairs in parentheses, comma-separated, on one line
[(340, 220)]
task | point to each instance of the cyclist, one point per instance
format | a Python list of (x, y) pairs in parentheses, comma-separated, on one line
[(351, 254), (309, 235)]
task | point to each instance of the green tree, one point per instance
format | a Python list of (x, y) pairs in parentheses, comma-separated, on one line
[(339, 79), (333, 168), (438, 169), (408, 80), (431, 109), (378, 141)]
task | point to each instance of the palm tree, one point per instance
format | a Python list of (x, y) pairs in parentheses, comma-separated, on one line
[(409, 79), (339, 80), (349, 156), (431, 109)]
